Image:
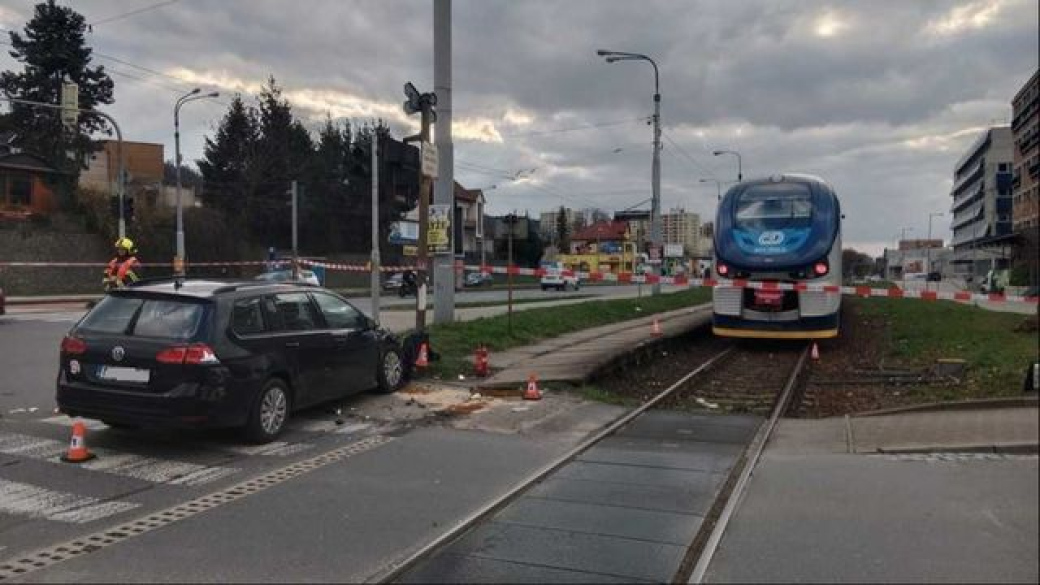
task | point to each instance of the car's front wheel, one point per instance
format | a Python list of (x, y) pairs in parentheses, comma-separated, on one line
[(391, 371), (269, 413)]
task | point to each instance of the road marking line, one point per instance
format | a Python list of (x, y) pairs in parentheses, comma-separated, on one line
[(122, 464), (66, 421), (36, 502)]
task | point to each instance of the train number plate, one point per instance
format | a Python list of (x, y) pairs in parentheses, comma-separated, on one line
[(772, 298)]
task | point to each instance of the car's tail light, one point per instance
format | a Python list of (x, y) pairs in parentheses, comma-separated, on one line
[(722, 269), (73, 346), (194, 354), (820, 268)]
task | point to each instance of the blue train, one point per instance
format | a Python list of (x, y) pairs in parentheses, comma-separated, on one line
[(781, 229)]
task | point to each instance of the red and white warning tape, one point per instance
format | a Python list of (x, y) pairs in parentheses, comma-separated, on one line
[(619, 277)]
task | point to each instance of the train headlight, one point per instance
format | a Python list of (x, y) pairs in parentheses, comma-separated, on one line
[(722, 269), (820, 268)]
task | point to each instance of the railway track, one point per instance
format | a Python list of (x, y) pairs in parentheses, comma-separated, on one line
[(598, 493)]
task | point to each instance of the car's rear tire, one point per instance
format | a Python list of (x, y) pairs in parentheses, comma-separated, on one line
[(270, 412), (390, 371)]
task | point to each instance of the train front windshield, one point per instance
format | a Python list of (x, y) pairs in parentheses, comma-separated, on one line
[(774, 207)]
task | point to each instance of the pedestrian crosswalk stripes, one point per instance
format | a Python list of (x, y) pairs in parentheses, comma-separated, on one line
[(46, 503), (122, 464), (38, 502)]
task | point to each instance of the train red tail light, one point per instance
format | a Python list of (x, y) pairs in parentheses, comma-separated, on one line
[(820, 268), (722, 269)]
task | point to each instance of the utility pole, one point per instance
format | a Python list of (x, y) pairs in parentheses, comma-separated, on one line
[(928, 251), (511, 219), (422, 103), (375, 227), (295, 252), (444, 277)]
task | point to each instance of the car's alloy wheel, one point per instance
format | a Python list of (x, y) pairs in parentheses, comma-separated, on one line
[(273, 408), (269, 413), (391, 371)]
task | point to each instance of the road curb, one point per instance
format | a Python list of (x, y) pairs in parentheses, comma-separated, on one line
[(997, 448), (985, 403)]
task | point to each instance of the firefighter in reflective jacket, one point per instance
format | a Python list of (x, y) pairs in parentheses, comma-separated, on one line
[(122, 270)]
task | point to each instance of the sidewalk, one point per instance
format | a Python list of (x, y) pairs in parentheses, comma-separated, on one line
[(818, 511), (575, 356), (980, 430)]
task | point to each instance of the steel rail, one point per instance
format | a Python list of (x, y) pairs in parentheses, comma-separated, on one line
[(397, 569), (756, 448)]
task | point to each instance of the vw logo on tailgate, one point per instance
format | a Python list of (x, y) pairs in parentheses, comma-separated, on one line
[(771, 238), (118, 353)]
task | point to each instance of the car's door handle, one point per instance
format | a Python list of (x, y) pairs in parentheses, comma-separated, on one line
[(292, 344)]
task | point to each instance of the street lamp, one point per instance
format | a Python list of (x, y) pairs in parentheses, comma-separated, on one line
[(188, 97), (655, 207), (928, 249), (740, 173), (718, 185)]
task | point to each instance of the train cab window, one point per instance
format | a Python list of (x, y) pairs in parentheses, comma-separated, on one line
[(774, 206)]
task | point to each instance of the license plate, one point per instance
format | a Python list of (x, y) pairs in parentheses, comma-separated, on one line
[(769, 297), (120, 374)]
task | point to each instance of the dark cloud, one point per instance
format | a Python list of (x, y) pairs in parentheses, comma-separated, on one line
[(878, 97)]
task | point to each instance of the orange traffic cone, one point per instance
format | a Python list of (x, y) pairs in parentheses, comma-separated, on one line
[(423, 360), (532, 392), (815, 354), (78, 452), (656, 330)]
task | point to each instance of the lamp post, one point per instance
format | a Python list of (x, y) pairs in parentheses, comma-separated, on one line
[(655, 207), (718, 185), (928, 250), (740, 172), (188, 97)]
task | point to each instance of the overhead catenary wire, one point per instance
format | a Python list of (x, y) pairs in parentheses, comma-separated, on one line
[(130, 13)]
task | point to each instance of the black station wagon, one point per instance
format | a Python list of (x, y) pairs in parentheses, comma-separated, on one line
[(215, 354)]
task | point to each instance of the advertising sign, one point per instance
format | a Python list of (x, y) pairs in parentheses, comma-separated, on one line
[(673, 250), (404, 232), (438, 239), (429, 159)]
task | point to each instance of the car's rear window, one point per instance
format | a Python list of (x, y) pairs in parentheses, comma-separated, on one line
[(143, 317)]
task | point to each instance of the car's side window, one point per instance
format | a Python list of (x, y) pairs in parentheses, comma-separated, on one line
[(338, 313), (295, 312), (247, 316)]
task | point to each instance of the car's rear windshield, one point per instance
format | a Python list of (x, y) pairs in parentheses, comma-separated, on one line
[(145, 317)]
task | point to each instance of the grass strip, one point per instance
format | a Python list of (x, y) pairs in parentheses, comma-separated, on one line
[(456, 341), (920, 332)]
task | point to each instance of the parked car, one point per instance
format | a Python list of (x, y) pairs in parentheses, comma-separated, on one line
[(393, 282), (555, 278), (304, 276), (934, 277), (478, 279), (214, 354)]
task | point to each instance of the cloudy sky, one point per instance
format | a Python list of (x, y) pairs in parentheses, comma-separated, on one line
[(878, 97)]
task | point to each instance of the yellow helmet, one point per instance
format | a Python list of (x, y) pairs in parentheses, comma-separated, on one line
[(125, 244)]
